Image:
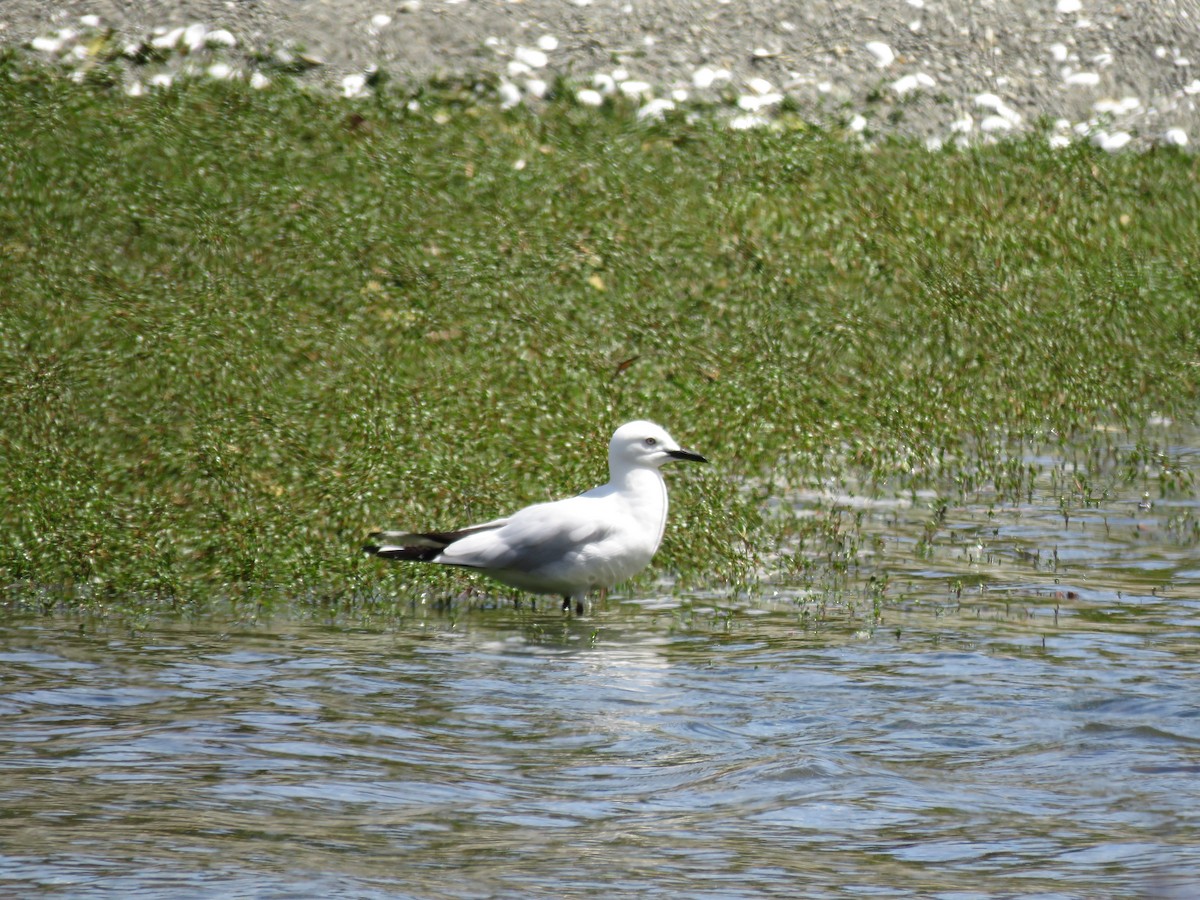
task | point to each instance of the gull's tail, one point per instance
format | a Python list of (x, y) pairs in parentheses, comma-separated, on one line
[(421, 546)]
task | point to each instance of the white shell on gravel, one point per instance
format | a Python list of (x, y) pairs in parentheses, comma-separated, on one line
[(755, 102), (1176, 137), (588, 97), (220, 37), (46, 44), (1117, 107), (193, 36), (354, 85), (884, 56), (510, 94), (1112, 142), (746, 122), (705, 77), (655, 109), (531, 56), (547, 42), (907, 83), (168, 39), (1067, 7), (1084, 79), (999, 107)]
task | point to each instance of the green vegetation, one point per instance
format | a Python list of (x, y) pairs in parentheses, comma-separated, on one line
[(240, 329)]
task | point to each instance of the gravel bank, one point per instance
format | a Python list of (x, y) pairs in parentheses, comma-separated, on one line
[(1116, 73)]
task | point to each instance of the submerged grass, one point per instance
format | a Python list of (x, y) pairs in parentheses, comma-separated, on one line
[(240, 329)]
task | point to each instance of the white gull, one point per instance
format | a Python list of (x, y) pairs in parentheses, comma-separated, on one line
[(566, 547)]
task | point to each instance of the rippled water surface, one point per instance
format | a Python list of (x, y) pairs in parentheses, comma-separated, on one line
[(1006, 721)]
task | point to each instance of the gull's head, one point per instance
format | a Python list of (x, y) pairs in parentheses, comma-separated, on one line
[(644, 445)]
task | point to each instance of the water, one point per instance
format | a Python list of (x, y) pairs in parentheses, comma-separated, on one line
[(1001, 720)]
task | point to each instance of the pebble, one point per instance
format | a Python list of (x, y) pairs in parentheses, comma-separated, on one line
[(548, 43), (1176, 137), (635, 88), (1086, 79), (588, 97)]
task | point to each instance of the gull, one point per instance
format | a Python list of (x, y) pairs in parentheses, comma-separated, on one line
[(565, 547)]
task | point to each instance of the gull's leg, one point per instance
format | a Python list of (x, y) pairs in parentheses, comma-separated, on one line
[(566, 607)]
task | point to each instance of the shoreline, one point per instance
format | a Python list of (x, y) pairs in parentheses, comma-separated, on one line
[(937, 71)]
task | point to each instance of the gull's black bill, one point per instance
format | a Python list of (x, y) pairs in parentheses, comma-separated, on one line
[(687, 454)]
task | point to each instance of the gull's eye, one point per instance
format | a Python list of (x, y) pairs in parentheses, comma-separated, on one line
[(651, 442)]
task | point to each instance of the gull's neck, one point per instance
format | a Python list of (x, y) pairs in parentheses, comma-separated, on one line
[(645, 493)]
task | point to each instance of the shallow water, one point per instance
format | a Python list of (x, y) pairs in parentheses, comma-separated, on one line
[(997, 722)]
